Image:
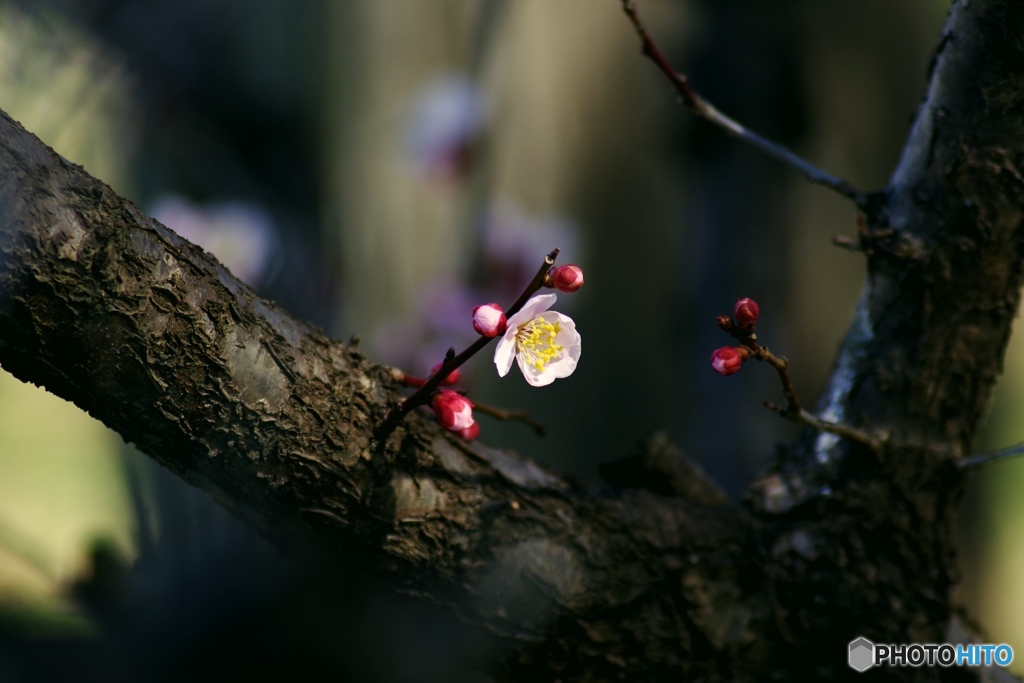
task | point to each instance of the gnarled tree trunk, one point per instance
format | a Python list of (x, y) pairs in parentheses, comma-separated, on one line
[(150, 335)]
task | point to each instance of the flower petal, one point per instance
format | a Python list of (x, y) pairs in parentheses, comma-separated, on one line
[(531, 309), (505, 352), (571, 342), (535, 377)]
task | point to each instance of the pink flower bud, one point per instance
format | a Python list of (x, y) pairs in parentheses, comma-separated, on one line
[(489, 320), (745, 312), (451, 379), (471, 432), (567, 278), (453, 410), (728, 359)]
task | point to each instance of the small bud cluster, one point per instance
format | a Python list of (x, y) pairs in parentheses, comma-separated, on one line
[(544, 342), (727, 360)]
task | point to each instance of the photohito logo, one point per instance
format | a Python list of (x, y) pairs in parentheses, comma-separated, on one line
[(864, 654)]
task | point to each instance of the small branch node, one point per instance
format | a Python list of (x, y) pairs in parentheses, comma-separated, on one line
[(803, 417)]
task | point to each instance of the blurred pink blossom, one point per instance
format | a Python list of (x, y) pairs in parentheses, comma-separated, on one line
[(240, 234), (448, 116), (513, 245)]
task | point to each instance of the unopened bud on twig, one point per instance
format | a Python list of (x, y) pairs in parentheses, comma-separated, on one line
[(454, 411), (452, 377), (745, 312), (471, 432), (489, 320), (728, 359), (566, 278)]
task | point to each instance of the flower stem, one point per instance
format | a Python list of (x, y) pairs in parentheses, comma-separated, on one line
[(510, 415)]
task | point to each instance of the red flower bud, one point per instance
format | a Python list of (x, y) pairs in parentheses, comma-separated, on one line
[(745, 312), (489, 320), (471, 432), (728, 359), (453, 410), (567, 278), (452, 377)]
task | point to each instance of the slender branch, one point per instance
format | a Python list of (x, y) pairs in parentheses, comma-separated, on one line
[(793, 410), (811, 420), (847, 243), (707, 111), (452, 361), (497, 413), (781, 366), (510, 415), (992, 456)]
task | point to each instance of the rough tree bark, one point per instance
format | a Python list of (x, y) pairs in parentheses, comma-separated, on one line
[(656, 577)]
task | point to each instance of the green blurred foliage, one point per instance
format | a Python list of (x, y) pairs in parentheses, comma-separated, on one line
[(61, 481)]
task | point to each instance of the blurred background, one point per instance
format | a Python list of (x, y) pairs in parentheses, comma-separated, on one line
[(378, 167)]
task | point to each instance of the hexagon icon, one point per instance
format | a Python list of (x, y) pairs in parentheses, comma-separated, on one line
[(862, 654)]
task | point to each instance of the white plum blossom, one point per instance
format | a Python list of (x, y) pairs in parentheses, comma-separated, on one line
[(545, 343), (240, 234)]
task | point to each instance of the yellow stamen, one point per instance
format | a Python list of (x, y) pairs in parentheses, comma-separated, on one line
[(535, 340)]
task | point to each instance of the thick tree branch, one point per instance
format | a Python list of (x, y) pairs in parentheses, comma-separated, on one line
[(114, 312), (945, 267)]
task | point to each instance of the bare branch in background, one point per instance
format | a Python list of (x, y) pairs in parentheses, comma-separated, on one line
[(708, 112)]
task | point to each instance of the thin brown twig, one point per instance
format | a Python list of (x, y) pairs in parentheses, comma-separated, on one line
[(707, 111), (793, 410), (510, 415), (1014, 451), (781, 366), (803, 417), (497, 413), (453, 361), (847, 243)]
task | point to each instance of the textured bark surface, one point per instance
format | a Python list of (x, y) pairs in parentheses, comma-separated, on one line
[(656, 577)]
